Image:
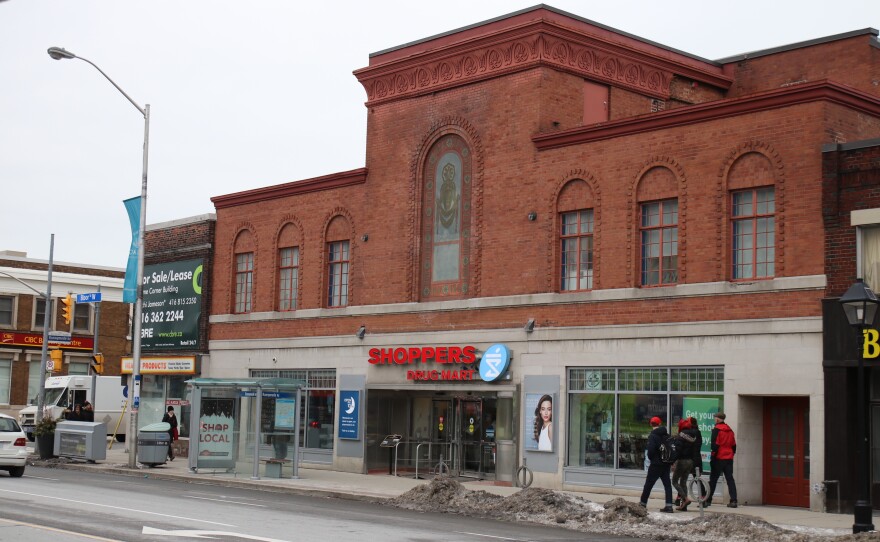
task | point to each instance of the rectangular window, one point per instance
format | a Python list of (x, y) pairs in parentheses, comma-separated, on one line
[(337, 287), (609, 410), (34, 374), (7, 306), (82, 317), (244, 282), (288, 278), (659, 227), (869, 256), (577, 250), (5, 379), (75, 368), (318, 422), (40, 313), (754, 233)]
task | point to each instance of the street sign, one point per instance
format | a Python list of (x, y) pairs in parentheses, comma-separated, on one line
[(94, 297), (59, 337)]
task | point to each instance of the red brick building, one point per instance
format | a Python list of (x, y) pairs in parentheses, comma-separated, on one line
[(636, 226)]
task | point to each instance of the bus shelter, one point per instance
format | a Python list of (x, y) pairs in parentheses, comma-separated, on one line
[(246, 425)]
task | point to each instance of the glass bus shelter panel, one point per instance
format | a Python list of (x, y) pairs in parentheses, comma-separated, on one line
[(218, 445)]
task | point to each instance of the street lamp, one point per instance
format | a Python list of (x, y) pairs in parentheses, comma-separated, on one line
[(860, 305), (60, 54)]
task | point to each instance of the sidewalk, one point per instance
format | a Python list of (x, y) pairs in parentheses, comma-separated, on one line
[(330, 483)]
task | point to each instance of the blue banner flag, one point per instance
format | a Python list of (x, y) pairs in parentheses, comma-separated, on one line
[(129, 291)]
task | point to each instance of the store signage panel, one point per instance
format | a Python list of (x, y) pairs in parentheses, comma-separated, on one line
[(162, 366), (172, 305), (445, 363), (349, 414), (11, 338)]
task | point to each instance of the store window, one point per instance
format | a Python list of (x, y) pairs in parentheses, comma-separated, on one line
[(7, 311), (78, 368), (317, 409), (34, 375), (754, 233), (576, 237), (659, 237), (610, 410), (5, 378)]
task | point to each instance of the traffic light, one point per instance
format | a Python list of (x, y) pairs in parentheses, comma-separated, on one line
[(67, 309), (98, 363), (57, 357)]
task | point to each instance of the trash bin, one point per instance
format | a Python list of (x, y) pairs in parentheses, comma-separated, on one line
[(153, 442)]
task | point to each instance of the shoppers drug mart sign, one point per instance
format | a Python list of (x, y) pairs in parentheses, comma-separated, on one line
[(444, 363)]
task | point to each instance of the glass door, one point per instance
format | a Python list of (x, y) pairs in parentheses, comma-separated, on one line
[(441, 432), (469, 436)]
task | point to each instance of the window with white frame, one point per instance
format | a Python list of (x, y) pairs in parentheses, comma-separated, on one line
[(40, 312), (337, 277), (77, 366), (34, 376), (659, 240), (244, 282), (7, 311), (869, 255), (82, 317), (576, 237), (288, 278)]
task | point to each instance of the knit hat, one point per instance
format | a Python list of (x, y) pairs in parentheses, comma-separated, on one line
[(656, 421), (721, 416), (683, 424)]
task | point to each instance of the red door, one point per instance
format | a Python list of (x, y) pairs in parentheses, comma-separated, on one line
[(787, 451)]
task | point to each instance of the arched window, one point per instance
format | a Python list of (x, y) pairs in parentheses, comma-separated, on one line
[(446, 219)]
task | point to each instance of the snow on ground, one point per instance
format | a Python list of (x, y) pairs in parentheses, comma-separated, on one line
[(617, 516)]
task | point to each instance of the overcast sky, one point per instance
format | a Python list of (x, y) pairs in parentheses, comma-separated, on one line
[(251, 94)]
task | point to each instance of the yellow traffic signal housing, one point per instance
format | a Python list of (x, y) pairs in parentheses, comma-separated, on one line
[(98, 363), (67, 309), (57, 357)]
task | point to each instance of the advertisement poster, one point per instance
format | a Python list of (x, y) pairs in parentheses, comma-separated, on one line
[(703, 409), (172, 305), (285, 412), (349, 414), (538, 422), (216, 432)]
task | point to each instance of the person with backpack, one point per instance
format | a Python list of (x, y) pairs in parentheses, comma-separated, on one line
[(723, 449), (658, 468), (684, 465)]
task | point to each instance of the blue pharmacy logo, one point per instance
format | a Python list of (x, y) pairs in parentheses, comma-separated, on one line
[(495, 361)]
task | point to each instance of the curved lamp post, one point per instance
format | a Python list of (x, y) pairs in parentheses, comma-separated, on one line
[(860, 305), (60, 54)]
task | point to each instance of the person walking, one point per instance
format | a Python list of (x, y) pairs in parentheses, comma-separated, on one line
[(657, 468), (698, 453), (684, 465), (171, 420), (723, 449)]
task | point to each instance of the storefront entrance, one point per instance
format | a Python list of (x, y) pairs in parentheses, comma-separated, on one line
[(460, 430), (786, 461)]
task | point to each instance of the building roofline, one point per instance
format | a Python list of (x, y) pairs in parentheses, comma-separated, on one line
[(798, 45), (327, 182), (207, 217), (852, 145), (554, 10)]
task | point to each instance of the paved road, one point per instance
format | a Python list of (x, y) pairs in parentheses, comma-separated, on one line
[(64, 505)]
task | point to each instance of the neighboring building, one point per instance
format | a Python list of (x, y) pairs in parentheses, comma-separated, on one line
[(636, 225), (22, 313), (174, 343), (851, 208)]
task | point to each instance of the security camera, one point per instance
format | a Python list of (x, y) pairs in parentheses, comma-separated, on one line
[(274, 360)]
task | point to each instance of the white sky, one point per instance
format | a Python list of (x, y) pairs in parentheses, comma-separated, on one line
[(251, 94)]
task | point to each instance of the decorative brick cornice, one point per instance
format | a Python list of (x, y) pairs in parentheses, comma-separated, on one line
[(526, 46), (327, 182), (823, 90)]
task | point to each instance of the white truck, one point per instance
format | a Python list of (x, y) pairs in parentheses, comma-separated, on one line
[(63, 392)]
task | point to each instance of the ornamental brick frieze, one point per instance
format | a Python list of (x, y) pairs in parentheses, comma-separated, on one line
[(387, 83)]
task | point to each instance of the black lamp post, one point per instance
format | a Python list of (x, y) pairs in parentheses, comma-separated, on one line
[(860, 305)]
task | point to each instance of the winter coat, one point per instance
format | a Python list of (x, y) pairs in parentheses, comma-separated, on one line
[(698, 446), (723, 442), (657, 437), (687, 438)]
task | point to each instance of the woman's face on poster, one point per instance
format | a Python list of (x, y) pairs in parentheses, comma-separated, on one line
[(546, 411)]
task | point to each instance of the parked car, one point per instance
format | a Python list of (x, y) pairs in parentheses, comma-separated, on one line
[(13, 446)]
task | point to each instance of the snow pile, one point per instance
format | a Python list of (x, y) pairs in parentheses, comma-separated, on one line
[(617, 516)]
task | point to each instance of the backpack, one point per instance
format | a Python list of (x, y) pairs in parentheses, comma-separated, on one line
[(669, 450)]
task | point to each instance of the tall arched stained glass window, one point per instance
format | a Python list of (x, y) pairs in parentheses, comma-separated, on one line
[(446, 219)]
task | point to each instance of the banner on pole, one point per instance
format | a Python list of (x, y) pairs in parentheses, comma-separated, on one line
[(129, 291)]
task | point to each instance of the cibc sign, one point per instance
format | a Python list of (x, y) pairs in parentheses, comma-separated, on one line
[(444, 363)]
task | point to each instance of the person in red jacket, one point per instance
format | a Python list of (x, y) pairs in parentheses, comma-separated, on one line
[(723, 449)]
